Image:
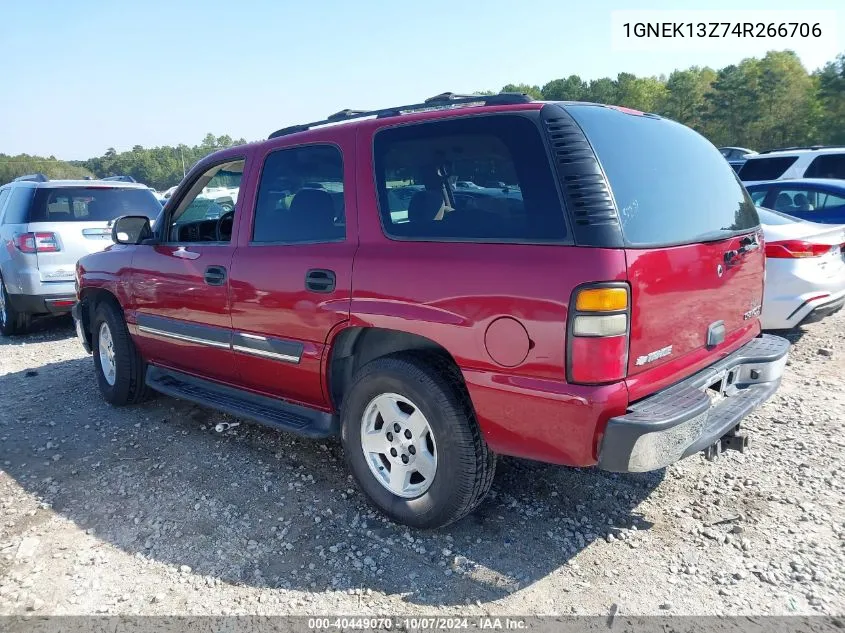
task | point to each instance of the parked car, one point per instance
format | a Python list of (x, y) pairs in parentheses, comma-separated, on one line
[(794, 162), (805, 270), (580, 321), (45, 226), (736, 156), (814, 199)]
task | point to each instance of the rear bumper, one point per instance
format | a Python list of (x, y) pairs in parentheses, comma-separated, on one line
[(43, 304), (823, 308), (695, 413)]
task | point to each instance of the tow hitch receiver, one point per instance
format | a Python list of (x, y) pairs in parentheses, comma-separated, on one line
[(733, 441)]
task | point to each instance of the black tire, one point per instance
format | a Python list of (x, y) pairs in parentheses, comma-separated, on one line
[(129, 386), (11, 321), (465, 464)]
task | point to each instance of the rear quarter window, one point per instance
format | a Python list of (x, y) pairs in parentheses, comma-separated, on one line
[(17, 205), (471, 179), (671, 186), (827, 166), (765, 168)]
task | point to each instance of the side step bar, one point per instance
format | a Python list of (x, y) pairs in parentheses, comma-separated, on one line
[(271, 412)]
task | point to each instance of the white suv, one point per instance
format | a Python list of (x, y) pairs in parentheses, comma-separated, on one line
[(795, 162)]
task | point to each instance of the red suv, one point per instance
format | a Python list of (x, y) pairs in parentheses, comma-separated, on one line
[(444, 282)]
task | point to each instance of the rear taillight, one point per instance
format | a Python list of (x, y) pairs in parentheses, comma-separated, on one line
[(37, 243), (598, 332), (796, 249)]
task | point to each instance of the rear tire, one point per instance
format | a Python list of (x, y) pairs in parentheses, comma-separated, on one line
[(11, 321), (429, 395), (118, 364)]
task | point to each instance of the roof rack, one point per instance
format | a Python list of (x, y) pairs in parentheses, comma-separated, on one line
[(32, 178), (443, 100), (800, 147), (120, 178)]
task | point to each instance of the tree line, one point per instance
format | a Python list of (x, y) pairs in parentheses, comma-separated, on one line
[(758, 103)]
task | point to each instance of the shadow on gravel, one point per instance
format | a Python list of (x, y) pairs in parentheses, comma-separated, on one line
[(255, 507), (47, 328)]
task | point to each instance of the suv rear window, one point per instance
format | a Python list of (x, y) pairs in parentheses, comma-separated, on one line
[(765, 168), (469, 179), (671, 186), (827, 166), (91, 204)]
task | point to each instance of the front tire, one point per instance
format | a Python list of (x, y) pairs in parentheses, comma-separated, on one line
[(11, 321), (117, 362), (412, 443)]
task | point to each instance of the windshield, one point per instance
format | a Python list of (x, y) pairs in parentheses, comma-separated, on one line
[(91, 204), (671, 186)]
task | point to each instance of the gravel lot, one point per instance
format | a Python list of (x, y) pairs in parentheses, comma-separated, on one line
[(147, 510)]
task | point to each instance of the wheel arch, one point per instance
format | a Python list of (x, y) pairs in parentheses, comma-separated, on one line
[(353, 347), (89, 299)]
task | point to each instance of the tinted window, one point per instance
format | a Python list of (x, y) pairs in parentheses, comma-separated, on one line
[(91, 204), (670, 184), (804, 200), (480, 178), (827, 166), (206, 212), (765, 168), (17, 206), (758, 195), (300, 197)]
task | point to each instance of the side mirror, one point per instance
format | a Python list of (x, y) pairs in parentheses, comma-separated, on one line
[(131, 229)]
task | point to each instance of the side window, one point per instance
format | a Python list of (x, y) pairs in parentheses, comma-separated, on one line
[(765, 168), (758, 196), (796, 200), (207, 212), (4, 195), (471, 179), (300, 197), (18, 205), (827, 166), (829, 201)]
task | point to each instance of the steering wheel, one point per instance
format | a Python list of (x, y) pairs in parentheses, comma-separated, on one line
[(229, 217)]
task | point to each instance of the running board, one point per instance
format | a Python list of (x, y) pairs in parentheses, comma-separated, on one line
[(271, 412)]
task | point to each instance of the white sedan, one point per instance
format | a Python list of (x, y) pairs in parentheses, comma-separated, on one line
[(805, 270)]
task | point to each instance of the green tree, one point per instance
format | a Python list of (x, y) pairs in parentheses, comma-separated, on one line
[(830, 82), (532, 91), (573, 88)]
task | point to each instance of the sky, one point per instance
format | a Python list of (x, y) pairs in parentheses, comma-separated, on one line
[(79, 77)]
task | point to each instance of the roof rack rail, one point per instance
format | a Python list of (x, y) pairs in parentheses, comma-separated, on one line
[(120, 178), (801, 147), (443, 100), (32, 178)]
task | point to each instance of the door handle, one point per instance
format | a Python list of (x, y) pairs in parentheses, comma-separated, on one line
[(320, 280), (215, 275)]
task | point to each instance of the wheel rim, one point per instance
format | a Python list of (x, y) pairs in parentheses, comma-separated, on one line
[(106, 348), (398, 445)]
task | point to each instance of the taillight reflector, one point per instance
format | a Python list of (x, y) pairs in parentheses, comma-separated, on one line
[(37, 242), (795, 249)]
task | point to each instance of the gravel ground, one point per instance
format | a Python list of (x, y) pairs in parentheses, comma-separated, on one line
[(147, 510)]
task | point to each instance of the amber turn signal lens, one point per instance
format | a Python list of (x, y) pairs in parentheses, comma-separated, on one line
[(601, 299)]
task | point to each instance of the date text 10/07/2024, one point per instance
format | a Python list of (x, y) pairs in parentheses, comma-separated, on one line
[(694, 30), (418, 623)]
